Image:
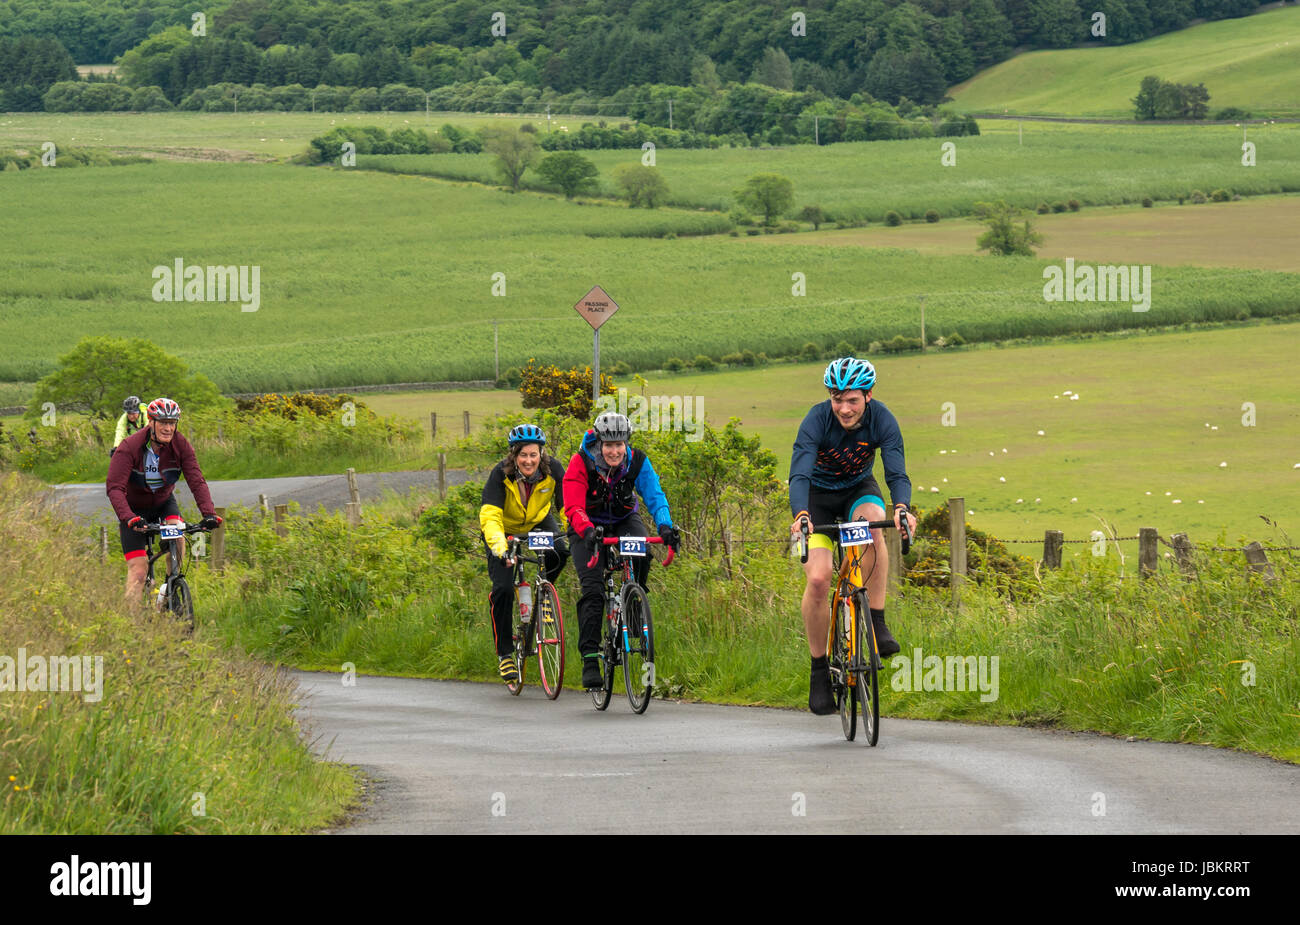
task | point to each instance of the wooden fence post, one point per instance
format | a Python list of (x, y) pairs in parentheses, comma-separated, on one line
[(266, 506), (466, 423), (354, 513), (354, 496), (1258, 560), (281, 512), (726, 552), (103, 543), (957, 542), (442, 476), (1052, 542), (1147, 553), (219, 542), (1183, 553), (433, 426)]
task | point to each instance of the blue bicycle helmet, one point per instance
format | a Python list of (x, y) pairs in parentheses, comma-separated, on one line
[(849, 373), (527, 433)]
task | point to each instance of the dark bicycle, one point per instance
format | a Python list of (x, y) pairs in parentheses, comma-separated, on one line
[(539, 624), (174, 593), (854, 655), (627, 635)]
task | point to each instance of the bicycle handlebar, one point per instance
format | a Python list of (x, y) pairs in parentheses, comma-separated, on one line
[(804, 532), (601, 539), (188, 528)]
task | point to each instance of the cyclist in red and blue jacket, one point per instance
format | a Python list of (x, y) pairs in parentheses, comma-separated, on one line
[(601, 487)]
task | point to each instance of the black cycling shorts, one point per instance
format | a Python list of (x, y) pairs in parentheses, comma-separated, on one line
[(827, 506), (135, 544)]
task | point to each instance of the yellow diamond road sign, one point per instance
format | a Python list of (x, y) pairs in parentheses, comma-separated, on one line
[(596, 307)]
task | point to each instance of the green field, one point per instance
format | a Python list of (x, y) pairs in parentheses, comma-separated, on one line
[(371, 278), (1138, 426), (1097, 165), (224, 135), (1252, 63)]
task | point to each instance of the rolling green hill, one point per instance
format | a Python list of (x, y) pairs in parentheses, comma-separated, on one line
[(1252, 63)]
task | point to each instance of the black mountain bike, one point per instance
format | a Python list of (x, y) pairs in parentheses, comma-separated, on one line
[(173, 594), (853, 653), (627, 635)]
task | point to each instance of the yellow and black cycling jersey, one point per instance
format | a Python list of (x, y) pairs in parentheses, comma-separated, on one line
[(515, 506)]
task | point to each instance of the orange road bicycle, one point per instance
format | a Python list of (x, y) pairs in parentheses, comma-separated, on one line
[(539, 623), (854, 656)]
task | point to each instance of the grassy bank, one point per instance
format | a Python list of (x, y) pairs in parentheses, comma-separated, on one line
[(181, 737), (1213, 660)]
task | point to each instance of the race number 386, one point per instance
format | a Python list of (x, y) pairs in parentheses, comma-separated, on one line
[(855, 534)]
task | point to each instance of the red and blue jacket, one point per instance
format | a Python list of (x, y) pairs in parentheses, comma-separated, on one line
[(591, 499)]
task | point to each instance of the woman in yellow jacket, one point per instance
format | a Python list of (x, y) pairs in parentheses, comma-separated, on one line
[(518, 497)]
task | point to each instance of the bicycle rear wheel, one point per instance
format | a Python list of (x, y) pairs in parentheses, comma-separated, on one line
[(845, 694), (639, 648), (867, 673), (180, 603), (548, 622)]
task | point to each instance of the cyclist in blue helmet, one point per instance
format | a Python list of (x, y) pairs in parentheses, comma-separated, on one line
[(521, 494), (830, 479)]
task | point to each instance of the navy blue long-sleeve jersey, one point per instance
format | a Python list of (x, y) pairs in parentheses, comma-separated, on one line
[(828, 456)]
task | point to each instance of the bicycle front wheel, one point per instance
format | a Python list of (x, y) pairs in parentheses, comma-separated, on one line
[(548, 622), (638, 648), (841, 655), (600, 696), (867, 672), (179, 602)]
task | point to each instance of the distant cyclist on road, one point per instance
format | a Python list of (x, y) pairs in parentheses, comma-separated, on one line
[(600, 488), (519, 496), (830, 479), (141, 478), (132, 419)]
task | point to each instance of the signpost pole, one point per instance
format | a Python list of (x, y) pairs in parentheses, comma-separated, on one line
[(595, 365)]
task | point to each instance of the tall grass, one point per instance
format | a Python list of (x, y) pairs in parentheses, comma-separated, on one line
[(1083, 648), (182, 726)]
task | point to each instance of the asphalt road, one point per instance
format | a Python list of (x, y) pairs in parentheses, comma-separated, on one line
[(459, 757), (328, 491)]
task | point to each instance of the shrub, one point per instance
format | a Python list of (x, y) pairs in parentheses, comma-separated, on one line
[(1147, 203), (733, 359), (1043, 208), (1220, 195), (997, 567), (748, 358), (844, 349), (512, 377), (899, 343), (874, 347), (893, 219), (955, 339), (702, 362), (810, 351), (931, 215), (1059, 207), (620, 369), (1074, 205), (674, 365), (1198, 197), (565, 390), (1231, 114), (787, 228), (752, 232)]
